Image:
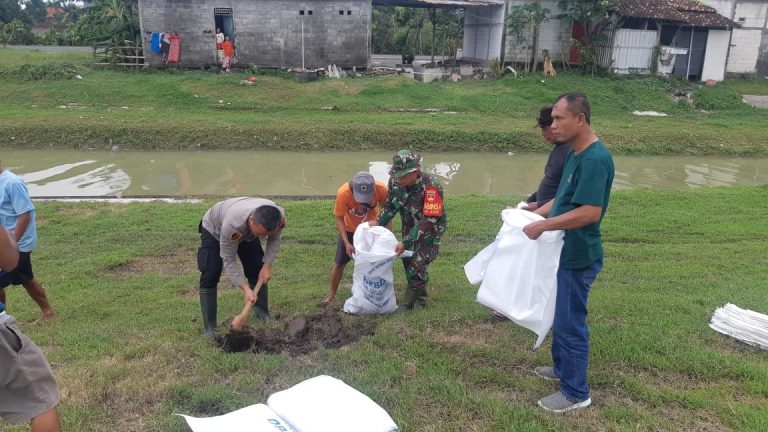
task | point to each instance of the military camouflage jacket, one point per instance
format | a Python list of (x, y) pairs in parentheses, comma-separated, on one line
[(419, 230)]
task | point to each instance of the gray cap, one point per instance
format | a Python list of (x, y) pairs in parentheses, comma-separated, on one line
[(362, 186)]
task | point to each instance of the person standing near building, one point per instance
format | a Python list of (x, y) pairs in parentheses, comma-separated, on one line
[(219, 41), (356, 202), (28, 390), (578, 208), (418, 198), (17, 215), (229, 54), (234, 228)]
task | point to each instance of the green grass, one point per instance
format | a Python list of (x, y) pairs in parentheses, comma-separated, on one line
[(128, 352), (182, 110)]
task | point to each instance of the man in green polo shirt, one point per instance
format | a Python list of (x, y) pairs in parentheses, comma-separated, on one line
[(578, 208)]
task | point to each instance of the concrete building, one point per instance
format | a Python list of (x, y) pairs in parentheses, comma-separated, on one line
[(749, 43), (693, 38), (267, 33)]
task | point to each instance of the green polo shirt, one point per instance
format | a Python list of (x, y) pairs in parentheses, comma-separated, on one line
[(587, 179)]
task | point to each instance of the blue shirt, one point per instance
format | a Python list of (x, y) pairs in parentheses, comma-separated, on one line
[(15, 201)]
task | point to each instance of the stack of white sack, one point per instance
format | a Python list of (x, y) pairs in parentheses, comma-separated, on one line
[(745, 325), (373, 290), (324, 403), (319, 404), (517, 275)]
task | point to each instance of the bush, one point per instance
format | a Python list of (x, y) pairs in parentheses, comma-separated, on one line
[(37, 72)]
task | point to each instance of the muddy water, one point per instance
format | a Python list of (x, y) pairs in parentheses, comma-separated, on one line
[(74, 173)]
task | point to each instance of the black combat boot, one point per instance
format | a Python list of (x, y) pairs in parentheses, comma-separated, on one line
[(261, 308), (208, 308)]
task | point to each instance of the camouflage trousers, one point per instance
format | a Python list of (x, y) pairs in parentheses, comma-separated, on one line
[(417, 274)]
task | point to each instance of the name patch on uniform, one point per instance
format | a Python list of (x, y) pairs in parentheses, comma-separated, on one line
[(236, 235), (433, 202)]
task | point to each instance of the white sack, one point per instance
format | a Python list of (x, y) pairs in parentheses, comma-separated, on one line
[(373, 290), (324, 404), (743, 324), (254, 418), (519, 275)]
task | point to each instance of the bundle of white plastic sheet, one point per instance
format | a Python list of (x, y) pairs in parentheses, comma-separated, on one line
[(745, 325)]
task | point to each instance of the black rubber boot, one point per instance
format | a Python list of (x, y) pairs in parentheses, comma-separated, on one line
[(415, 298), (261, 308), (208, 308)]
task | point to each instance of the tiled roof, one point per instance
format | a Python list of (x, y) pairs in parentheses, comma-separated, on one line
[(689, 12)]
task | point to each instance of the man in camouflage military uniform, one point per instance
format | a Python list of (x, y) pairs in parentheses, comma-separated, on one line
[(419, 199)]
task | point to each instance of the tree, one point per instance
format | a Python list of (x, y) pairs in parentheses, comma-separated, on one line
[(36, 10), (16, 32), (11, 10), (114, 21), (524, 21), (595, 16)]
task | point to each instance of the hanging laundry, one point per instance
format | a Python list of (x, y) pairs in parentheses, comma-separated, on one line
[(175, 50), (165, 47), (155, 42)]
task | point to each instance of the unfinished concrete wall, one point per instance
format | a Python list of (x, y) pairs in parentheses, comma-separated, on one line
[(483, 31), (554, 36), (268, 33)]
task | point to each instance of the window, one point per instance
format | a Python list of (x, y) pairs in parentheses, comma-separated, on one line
[(301, 12), (341, 12), (349, 12)]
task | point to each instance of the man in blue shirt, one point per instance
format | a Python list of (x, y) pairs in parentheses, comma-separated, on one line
[(17, 215), (578, 208)]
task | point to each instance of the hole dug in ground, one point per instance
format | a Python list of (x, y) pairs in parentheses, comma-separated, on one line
[(298, 335)]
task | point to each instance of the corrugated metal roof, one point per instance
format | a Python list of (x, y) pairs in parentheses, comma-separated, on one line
[(439, 3), (689, 12)]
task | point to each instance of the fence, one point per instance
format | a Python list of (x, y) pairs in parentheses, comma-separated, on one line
[(124, 56)]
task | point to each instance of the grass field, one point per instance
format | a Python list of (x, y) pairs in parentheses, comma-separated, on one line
[(128, 352), (175, 109)]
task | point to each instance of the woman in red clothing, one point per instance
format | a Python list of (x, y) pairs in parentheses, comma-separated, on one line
[(229, 53)]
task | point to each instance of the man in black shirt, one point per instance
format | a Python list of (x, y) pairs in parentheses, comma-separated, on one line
[(553, 170)]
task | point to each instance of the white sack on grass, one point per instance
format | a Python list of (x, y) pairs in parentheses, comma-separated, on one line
[(745, 325), (517, 275), (324, 404), (373, 290), (254, 418)]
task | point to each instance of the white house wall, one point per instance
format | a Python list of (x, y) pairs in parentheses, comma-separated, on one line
[(483, 29), (750, 14), (749, 44), (716, 54), (723, 7), (745, 47)]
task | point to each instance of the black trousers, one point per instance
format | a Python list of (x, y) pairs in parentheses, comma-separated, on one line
[(210, 264)]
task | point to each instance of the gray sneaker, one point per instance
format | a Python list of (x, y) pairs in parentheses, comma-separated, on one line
[(558, 403), (546, 372)]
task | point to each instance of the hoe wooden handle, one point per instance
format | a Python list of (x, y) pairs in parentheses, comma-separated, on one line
[(239, 321)]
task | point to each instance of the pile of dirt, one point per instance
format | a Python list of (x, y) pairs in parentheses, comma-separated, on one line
[(299, 335)]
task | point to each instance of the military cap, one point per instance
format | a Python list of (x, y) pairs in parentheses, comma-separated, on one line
[(404, 162)]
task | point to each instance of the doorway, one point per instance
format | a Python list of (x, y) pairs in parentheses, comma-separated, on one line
[(222, 18)]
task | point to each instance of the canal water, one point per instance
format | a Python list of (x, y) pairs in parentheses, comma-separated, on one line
[(63, 173)]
